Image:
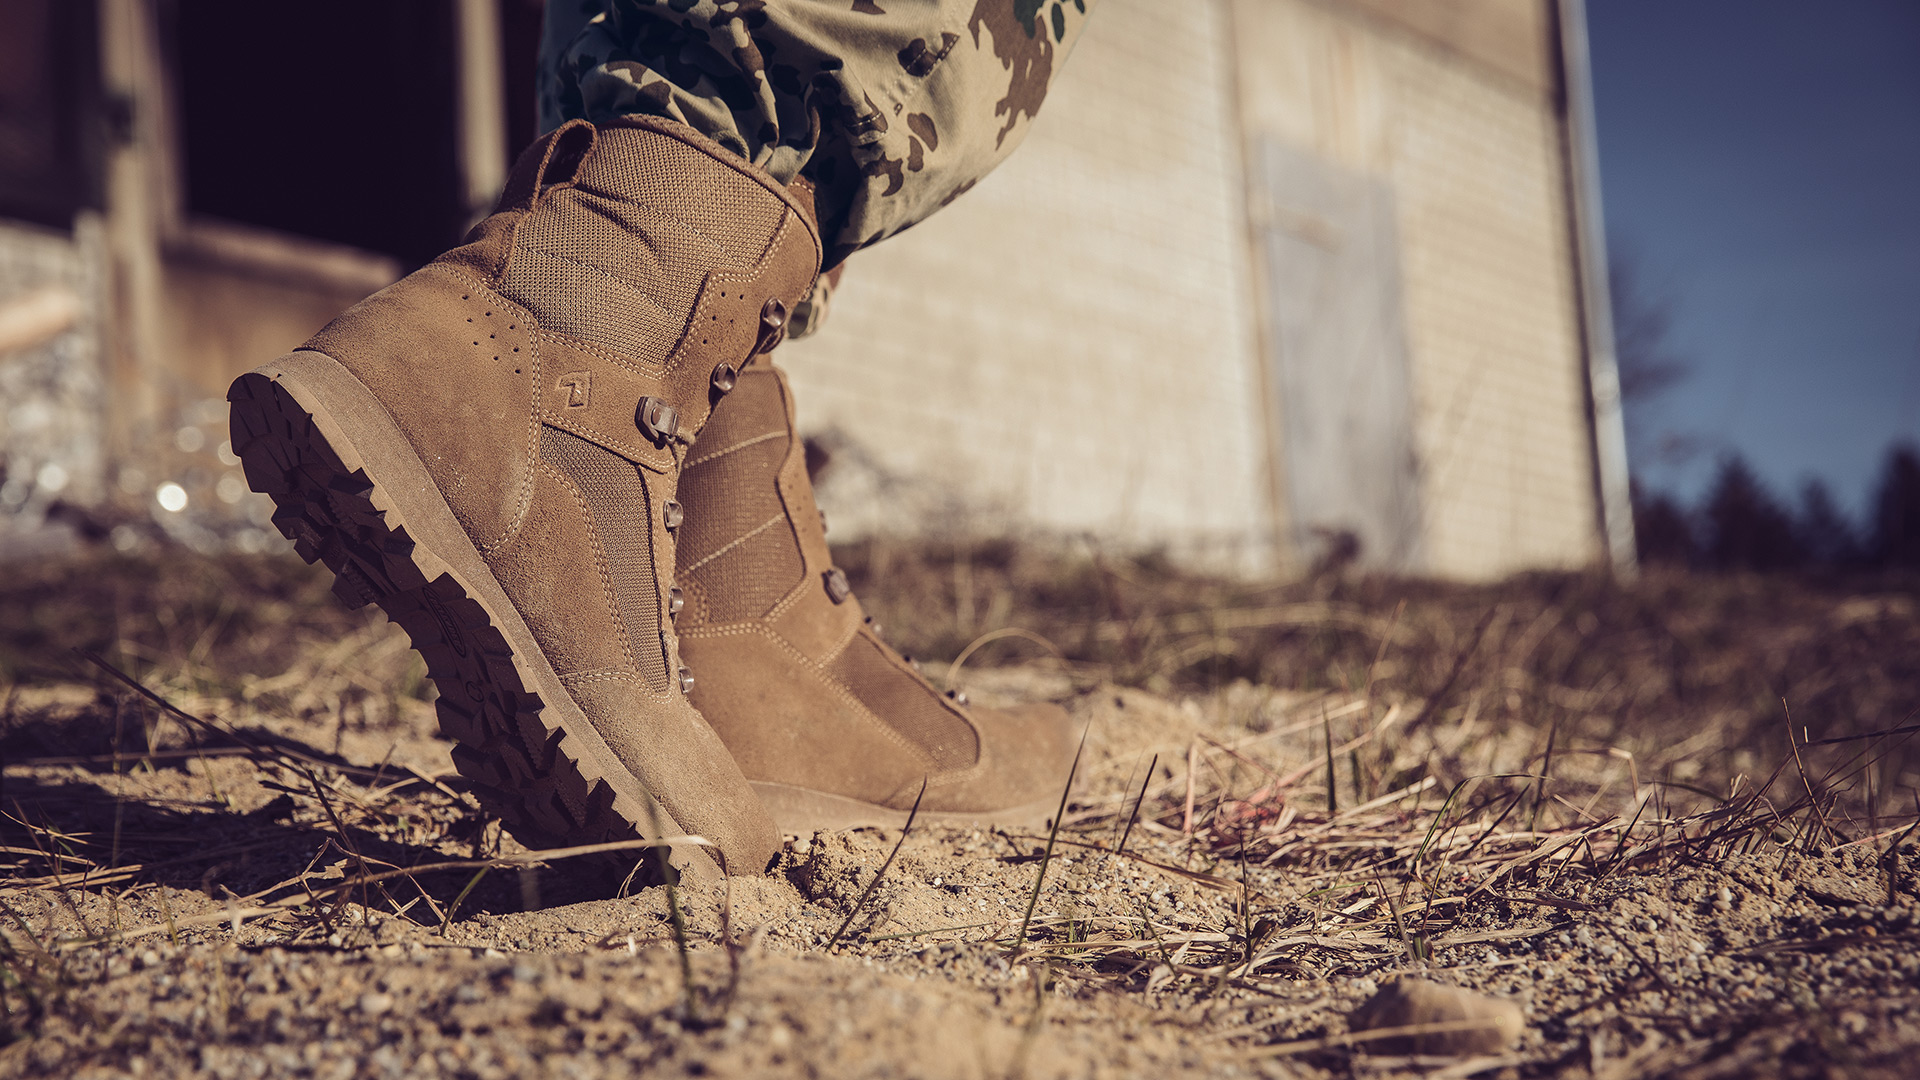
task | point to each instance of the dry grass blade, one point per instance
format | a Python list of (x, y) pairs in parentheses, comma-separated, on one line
[(473, 882), (1905, 729), (1182, 904), (1439, 698), (991, 636), (1053, 833), (1134, 814), (875, 883), (360, 882)]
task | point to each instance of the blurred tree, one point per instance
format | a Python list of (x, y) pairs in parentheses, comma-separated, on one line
[(1746, 529), (1648, 368), (1664, 533), (1896, 509), (1828, 539), (1641, 323)]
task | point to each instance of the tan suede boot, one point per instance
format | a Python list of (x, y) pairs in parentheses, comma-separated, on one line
[(489, 450), (833, 728)]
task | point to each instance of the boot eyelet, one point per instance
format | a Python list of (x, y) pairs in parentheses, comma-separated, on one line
[(773, 314), (773, 325), (686, 680), (838, 587), (958, 697), (672, 514), (724, 377), (675, 600), (657, 420)]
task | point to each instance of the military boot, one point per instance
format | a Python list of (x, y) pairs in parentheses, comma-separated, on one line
[(833, 728), (489, 450)]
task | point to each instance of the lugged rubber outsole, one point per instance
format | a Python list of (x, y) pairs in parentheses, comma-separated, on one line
[(363, 505)]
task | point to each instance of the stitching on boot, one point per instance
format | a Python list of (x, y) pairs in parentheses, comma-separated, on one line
[(735, 542), (646, 457), (599, 561), (847, 697), (536, 365), (611, 675), (808, 582), (781, 234), (633, 366), (789, 495), (686, 135), (898, 666), (652, 463), (616, 279), (717, 454)]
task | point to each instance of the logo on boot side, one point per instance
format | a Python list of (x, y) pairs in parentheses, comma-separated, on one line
[(578, 387)]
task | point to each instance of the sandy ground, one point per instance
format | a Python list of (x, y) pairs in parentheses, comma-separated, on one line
[(299, 887)]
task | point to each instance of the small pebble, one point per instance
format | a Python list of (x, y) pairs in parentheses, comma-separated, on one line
[(1464, 1022)]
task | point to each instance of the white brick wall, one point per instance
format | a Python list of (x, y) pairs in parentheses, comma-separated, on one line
[(1473, 158), (1491, 310), (1069, 347), (1072, 347)]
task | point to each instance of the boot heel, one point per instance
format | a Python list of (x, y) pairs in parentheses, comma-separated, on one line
[(522, 760)]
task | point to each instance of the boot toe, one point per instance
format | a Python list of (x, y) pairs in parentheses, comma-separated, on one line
[(1026, 755)]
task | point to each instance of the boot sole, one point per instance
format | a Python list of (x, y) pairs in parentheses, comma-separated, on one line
[(802, 811), (352, 493)]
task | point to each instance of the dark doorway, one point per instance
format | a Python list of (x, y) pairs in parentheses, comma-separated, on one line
[(50, 130), (520, 22), (334, 121)]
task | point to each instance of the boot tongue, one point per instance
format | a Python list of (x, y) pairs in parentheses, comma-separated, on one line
[(552, 159)]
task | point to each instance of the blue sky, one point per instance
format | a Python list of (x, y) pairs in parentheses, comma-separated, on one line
[(1761, 167)]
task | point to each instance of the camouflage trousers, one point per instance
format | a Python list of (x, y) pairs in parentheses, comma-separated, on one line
[(893, 108)]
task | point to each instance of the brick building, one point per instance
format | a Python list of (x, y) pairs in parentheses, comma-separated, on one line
[(1270, 279)]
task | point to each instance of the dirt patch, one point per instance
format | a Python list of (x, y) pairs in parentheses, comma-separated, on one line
[(295, 883)]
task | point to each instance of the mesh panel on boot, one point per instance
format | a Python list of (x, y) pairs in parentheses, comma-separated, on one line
[(618, 259), (587, 266), (705, 196), (911, 707), (735, 540), (754, 409), (616, 494)]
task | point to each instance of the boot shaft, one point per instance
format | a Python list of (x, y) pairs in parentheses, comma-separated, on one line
[(753, 558), (617, 232)]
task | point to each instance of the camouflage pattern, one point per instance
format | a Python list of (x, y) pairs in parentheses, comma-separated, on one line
[(893, 108)]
